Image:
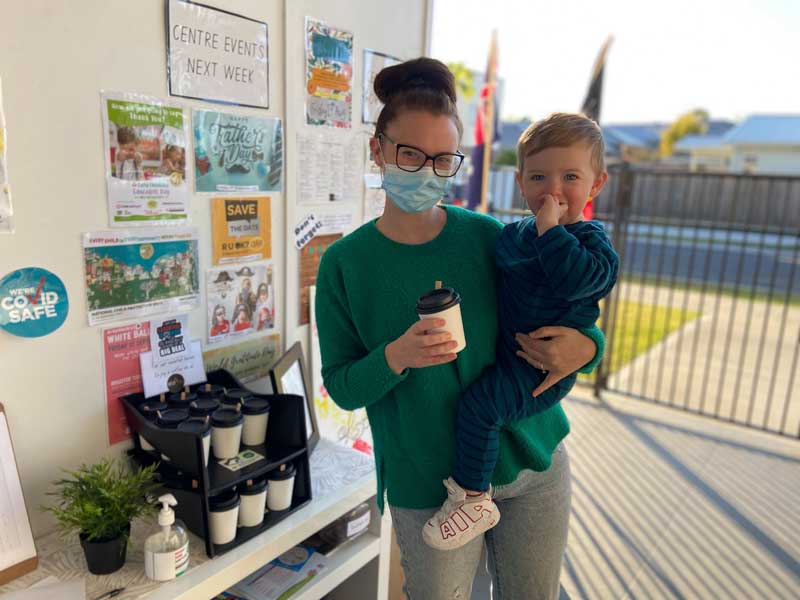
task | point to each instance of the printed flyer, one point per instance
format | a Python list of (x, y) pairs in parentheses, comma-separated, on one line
[(373, 63), (121, 349), (247, 361), (329, 75), (241, 229), (145, 154), (6, 211), (240, 300), (310, 256), (134, 274), (235, 153)]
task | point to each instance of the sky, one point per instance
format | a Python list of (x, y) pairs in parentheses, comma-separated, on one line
[(730, 57)]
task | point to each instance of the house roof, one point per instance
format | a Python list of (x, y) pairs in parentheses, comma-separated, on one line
[(698, 142), (766, 129)]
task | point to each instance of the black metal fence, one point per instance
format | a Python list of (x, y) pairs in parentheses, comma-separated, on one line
[(706, 316)]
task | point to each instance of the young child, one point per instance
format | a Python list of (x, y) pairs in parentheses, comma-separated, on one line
[(219, 324), (241, 318), (128, 162), (264, 308), (172, 161), (553, 269)]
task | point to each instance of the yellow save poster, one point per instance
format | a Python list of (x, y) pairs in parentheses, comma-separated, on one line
[(241, 227)]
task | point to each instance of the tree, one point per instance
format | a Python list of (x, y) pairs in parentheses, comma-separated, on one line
[(464, 82), (506, 157), (692, 122)]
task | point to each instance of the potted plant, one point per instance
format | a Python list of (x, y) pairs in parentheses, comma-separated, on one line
[(98, 502)]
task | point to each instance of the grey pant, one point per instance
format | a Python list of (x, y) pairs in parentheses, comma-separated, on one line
[(525, 549)]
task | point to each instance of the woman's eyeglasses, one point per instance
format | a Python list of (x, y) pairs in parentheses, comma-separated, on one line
[(411, 159)]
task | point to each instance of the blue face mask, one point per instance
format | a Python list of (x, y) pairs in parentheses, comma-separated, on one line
[(414, 192)]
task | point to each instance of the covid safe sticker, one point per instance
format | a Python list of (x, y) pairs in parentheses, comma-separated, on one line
[(33, 302)]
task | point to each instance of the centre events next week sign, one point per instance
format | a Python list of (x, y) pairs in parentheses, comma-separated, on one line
[(216, 55)]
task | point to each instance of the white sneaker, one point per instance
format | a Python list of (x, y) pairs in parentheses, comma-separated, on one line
[(461, 519)]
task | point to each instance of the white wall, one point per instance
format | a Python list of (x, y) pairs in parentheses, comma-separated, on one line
[(55, 57), (769, 159)]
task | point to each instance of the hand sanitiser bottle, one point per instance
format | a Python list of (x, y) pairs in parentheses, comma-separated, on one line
[(166, 553)]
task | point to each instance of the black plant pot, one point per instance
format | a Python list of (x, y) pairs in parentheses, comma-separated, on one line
[(105, 556)]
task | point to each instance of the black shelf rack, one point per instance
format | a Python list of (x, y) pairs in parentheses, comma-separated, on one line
[(192, 483)]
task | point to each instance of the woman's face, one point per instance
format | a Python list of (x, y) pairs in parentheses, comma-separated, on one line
[(433, 134)]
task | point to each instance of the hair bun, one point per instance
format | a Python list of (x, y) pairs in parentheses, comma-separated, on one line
[(427, 73)]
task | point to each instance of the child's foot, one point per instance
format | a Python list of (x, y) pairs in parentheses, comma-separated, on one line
[(461, 519)]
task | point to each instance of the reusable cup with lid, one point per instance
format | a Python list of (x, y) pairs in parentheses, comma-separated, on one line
[(202, 427), (226, 431), (224, 513), (203, 407), (256, 416), (210, 390), (150, 411), (444, 303), (281, 487), (170, 419), (181, 399), (254, 499), (236, 396)]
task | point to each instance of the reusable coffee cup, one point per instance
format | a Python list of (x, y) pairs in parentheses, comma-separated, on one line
[(226, 431), (281, 486), (254, 500), (224, 513), (210, 390), (201, 426), (170, 419), (236, 396), (444, 303), (150, 411), (181, 399), (256, 415), (203, 406)]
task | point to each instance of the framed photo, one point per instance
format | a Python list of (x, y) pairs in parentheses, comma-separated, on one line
[(289, 376)]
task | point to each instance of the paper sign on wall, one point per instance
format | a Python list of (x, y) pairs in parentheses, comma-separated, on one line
[(329, 75), (240, 300), (237, 152), (6, 211), (145, 141), (33, 302), (216, 55), (374, 62), (174, 372), (121, 349), (241, 229), (329, 167), (305, 230), (134, 274), (247, 361)]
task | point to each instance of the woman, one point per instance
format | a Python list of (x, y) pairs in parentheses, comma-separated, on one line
[(377, 354)]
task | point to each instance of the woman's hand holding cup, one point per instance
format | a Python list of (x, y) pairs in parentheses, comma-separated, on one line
[(417, 348)]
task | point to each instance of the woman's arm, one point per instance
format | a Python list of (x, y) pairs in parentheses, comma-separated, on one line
[(561, 351), (353, 376)]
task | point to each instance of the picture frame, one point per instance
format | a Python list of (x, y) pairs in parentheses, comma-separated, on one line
[(289, 376)]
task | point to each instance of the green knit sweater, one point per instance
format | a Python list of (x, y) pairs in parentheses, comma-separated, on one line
[(367, 288)]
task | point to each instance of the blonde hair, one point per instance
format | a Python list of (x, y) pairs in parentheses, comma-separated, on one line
[(561, 130)]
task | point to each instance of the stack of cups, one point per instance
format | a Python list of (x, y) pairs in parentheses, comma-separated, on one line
[(256, 416), (235, 396), (203, 407), (281, 487), (224, 512), (254, 499), (150, 411), (181, 399), (226, 431), (170, 419), (202, 427)]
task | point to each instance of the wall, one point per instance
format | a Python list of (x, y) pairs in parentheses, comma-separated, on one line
[(55, 57), (782, 160)]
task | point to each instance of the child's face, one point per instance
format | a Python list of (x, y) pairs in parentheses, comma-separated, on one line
[(564, 173), (128, 147)]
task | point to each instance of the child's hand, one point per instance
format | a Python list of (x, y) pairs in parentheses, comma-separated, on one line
[(549, 213)]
